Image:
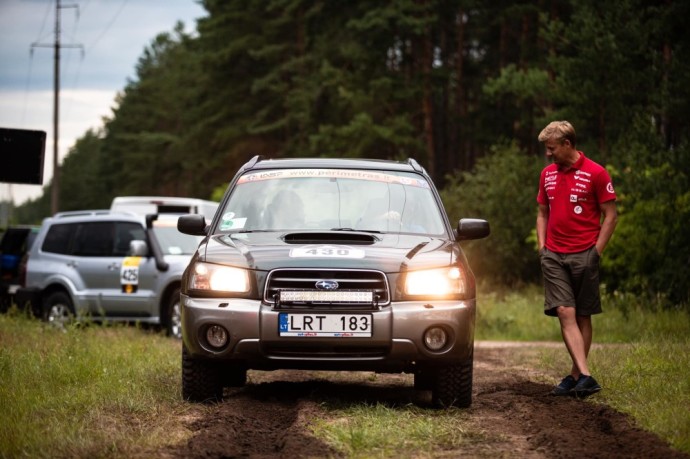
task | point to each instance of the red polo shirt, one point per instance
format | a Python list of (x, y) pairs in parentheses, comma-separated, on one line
[(573, 196)]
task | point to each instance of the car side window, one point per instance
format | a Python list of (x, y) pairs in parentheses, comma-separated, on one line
[(126, 232), (95, 239), (59, 238)]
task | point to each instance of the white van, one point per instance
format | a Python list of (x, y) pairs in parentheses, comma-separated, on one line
[(143, 205)]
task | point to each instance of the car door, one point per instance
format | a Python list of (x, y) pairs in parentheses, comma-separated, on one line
[(138, 275), (92, 254), (109, 275)]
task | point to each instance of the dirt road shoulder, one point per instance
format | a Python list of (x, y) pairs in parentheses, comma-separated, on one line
[(512, 413)]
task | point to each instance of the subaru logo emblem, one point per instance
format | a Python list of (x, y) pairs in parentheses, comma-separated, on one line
[(327, 285)]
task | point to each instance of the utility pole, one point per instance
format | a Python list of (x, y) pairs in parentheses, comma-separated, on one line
[(55, 192)]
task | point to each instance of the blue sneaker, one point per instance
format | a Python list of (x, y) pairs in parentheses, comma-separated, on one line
[(565, 387), (586, 386)]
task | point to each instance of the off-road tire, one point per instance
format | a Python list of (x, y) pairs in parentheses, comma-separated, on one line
[(452, 385), (201, 379)]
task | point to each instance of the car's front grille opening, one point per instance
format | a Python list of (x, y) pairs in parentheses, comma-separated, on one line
[(332, 289)]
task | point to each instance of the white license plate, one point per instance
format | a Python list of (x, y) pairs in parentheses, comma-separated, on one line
[(325, 325)]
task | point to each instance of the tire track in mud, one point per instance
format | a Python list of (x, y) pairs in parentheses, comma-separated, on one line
[(511, 413), (260, 421)]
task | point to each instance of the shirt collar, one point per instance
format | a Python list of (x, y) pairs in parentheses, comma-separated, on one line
[(576, 165)]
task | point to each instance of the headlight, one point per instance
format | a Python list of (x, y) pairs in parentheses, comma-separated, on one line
[(435, 282), (206, 276)]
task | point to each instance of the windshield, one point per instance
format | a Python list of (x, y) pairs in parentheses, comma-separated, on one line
[(332, 199)]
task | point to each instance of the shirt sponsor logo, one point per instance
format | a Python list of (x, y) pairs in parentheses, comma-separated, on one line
[(573, 198), (578, 210), (609, 187)]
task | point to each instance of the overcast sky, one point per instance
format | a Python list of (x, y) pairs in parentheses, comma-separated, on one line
[(113, 34)]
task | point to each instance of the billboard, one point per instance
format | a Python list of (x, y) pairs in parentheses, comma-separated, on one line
[(21, 156)]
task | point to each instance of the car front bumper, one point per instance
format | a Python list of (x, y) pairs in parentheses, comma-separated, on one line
[(396, 344)]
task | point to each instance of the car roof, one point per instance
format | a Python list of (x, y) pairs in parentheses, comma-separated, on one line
[(259, 162), (95, 215)]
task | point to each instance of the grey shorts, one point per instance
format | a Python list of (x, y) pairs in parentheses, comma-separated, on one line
[(571, 280)]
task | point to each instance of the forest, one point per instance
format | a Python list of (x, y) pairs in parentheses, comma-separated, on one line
[(463, 86)]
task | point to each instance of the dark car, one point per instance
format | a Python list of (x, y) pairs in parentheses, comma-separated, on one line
[(330, 264), (15, 242)]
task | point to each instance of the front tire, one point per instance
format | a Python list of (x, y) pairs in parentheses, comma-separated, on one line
[(58, 309), (201, 380), (452, 385)]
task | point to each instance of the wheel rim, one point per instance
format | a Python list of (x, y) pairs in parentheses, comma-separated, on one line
[(176, 321), (59, 315)]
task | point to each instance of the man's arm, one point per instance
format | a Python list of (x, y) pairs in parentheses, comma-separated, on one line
[(542, 219), (608, 210)]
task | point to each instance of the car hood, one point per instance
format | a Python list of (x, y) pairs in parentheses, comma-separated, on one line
[(177, 262), (335, 249)]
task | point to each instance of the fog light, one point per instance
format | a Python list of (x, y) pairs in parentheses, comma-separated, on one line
[(435, 338), (216, 336)]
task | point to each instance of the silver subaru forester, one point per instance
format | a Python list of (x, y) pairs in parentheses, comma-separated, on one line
[(330, 264)]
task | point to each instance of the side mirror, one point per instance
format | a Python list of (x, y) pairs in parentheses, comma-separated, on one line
[(193, 224), (472, 228), (138, 248)]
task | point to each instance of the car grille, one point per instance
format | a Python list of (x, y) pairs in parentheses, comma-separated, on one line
[(352, 285)]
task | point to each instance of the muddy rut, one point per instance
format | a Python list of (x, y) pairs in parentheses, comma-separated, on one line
[(512, 413)]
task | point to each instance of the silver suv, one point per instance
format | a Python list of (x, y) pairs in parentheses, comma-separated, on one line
[(104, 265), (330, 264)]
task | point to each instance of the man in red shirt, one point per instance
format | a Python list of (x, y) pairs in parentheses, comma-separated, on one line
[(574, 194)]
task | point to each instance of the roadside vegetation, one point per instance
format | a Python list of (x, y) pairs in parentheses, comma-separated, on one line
[(86, 391), (114, 391)]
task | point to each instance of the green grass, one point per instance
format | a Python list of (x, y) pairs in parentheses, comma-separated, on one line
[(650, 381), (84, 391), (365, 431), (514, 315), (643, 364), (98, 391)]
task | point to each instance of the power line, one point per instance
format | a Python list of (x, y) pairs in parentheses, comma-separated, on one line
[(109, 25)]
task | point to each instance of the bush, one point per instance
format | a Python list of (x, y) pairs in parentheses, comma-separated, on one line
[(649, 253), (502, 188)]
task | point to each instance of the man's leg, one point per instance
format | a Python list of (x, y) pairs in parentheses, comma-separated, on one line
[(576, 341), (584, 323)]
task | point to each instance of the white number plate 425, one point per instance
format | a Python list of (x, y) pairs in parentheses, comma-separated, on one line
[(325, 325)]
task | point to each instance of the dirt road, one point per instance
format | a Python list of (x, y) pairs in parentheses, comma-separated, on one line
[(512, 412)]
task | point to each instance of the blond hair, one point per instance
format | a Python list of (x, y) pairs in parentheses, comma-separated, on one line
[(558, 130)]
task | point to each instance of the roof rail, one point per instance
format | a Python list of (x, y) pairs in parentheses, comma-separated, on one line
[(415, 165), (252, 162), (79, 213)]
